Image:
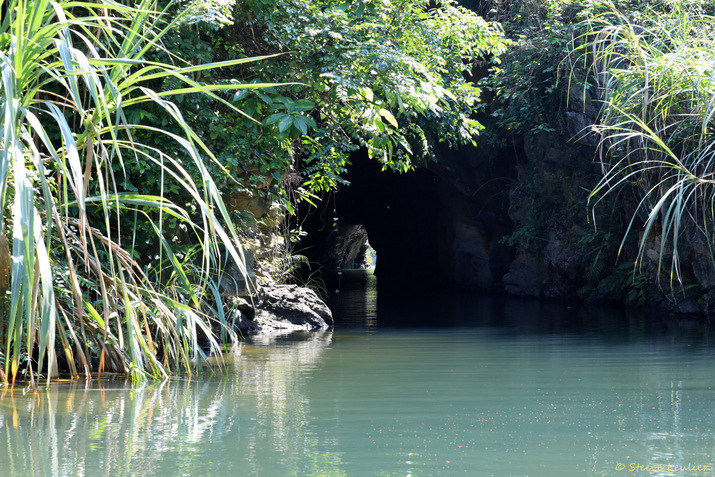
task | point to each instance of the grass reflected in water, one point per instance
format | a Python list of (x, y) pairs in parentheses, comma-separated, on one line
[(511, 397)]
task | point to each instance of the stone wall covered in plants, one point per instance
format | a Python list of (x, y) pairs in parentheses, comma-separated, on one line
[(550, 139)]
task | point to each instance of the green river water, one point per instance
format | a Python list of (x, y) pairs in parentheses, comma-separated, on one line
[(405, 387)]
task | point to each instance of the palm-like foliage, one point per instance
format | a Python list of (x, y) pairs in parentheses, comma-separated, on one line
[(657, 80), (70, 72)]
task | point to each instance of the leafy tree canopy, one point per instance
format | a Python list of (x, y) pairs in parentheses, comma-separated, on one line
[(391, 77)]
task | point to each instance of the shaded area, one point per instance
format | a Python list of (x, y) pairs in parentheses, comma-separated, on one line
[(402, 214), (361, 304), (432, 228)]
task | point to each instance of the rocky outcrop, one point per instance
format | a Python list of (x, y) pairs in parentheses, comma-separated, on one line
[(346, 247), (291, 306), (238, 280), (267, 308), (280, 308)]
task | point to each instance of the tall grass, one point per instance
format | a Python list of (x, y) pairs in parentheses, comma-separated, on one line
[(70, 72), (656, 76)]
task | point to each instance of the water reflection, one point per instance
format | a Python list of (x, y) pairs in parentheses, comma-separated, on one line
[(217, 426), (355, 299), (512, 388), (270, 374)]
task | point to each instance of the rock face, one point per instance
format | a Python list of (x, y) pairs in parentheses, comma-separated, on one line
[(235, 281), (255, 308), (346, 247), (558, 245), (295, 306), (282, 308)]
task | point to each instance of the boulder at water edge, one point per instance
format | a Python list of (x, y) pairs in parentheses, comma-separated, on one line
[(289, 308)]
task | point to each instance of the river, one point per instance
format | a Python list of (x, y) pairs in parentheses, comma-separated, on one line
[(405, 385)]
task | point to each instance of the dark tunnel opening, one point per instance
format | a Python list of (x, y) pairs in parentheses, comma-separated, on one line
[(399, 214)]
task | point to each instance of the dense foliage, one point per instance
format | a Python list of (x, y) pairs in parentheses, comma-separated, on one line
[(72, 75), (654, 70), (390, 77), (126, 126)]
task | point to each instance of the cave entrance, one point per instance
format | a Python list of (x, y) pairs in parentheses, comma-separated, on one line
[(401, 214), (349, 248)]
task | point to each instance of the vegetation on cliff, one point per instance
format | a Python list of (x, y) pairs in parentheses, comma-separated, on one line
[(135, 139), (657, 82), (590, 94)]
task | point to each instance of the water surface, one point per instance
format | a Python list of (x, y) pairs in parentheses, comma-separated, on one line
[(415, 386)]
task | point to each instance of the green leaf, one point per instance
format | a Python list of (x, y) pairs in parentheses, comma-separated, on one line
[(265, 98), (389, 117), (285, 123), (299, 122), (367, 94), (303, 105), (274, 118)]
